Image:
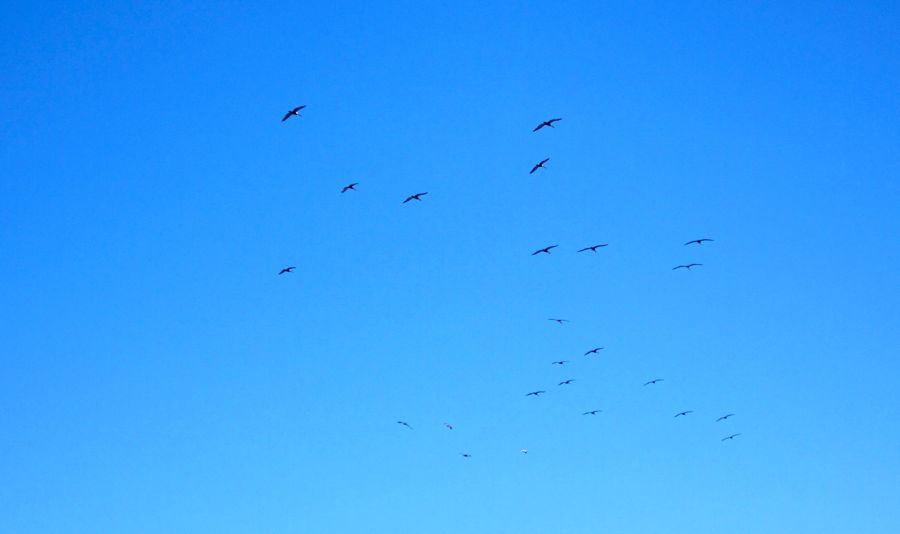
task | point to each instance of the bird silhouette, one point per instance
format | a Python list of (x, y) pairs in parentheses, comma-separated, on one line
[(548, 123), (539, 165), (545, 250), (417, 196), (351, 187), (293, 112), (724, 417), (287, 270), (566, 382), (448, 425), (698, 241), (655, 380), (687, 266), (592, 412), (560, 362), (535, 393), (594, 248), (404, 423), (594, 351), (465, 455), (731, 437), (559, 321), (524, 451), (679, 414)]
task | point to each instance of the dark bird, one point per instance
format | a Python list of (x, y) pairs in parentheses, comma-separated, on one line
[(679, 414), (287, 270), (559, 321), (546, 123), (465, 455), (566, 382), (417, 196), (291, 113), (594, 351), (731, 437), (724, 417), (594, 248), (560, 362), (698, 241), (351, 187), (404, 423), (539, 165), (655, 380), (592, 412), (687, 266), (448, 425), (535, 393), (545, 250)]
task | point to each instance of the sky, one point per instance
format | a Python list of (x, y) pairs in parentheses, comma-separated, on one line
[(158, 375)]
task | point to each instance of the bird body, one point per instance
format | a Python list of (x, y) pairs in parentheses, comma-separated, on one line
[(730, 437), (294, 112), (286, 270), (351, 187), (655, 380), (594, 248), (687, 266), (545, 250), (417, 196), (559, 321), (594, 351), (565, 382), (535, 393), (465, 455), (539, 165), (560, 362), (548, 123), (592, 412), (448, 425), (724, 417), (698, 241), (404, 423), (679, 414)]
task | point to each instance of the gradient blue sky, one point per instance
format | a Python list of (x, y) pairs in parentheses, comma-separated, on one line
[(158, 376)]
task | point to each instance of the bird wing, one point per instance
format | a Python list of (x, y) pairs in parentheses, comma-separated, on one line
[(286, 116), (538, 127), (545, 160), (536, 167)]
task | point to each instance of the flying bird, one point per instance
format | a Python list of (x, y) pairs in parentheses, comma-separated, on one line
[(546, 123), (594, 351), (594, 247), (698, 241), (287, 270), (724, 417), (655, 380), (560, 321), (731, 437), (679, 414), (404, 423), (524, 451), (566, 382), (417, 196), (351, 187), (560, 362), (539, 165), (687, 266), (448, 425), (545, 250), (291, 113), (592, 412), (535, 393), (465, 455)]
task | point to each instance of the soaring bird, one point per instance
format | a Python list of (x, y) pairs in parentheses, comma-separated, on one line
[(724, 417), (566, 382), (351, 187), (545, 250), (560, 321), (287, 270), (535, 393), (448, 425), (546, 123), (594, 351), (698, 241), (560, 362), (539, 165), (594, 247), (291, 113), (524, 451), (592, 412), (731, 437), (465, 455), (687, 266), (679, 414), (655, 380), (417, 196), (404, 423)]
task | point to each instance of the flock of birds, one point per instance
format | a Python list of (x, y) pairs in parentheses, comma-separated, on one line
[(295, 112)]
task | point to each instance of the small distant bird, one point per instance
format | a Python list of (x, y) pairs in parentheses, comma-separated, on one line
[(566, 382), (539, 165), (545, 250), (679, 414), (535, 393), (698, 241), (404, 423), (546, 123), (687, 266), (291, 113), (724, 417), (351, 187), (594, 351), (417, 196), (594, 247), (524, 451), (592, 412), (655, 380), (560, 362), (731, 437), (287, 270), (465, 455), (560, 321)]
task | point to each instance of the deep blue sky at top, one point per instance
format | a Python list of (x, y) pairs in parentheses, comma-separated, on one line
[(156, 375)]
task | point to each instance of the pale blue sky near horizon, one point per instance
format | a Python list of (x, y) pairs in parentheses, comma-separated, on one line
[(157, 375)]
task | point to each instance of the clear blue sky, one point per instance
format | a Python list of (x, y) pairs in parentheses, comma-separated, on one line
[(157, 375)]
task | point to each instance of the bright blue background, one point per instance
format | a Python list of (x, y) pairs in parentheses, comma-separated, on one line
[(158, 376)]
